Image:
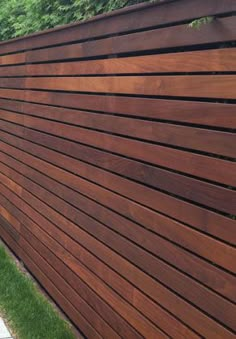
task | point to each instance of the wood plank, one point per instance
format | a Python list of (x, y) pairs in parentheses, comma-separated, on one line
[(218, 60), (16, 94), (199, 321), (72, 263), (129, 19), (182, 136), (123, 204), (168, 205), (8, 71), (207, 194), (33, 246), (92, 209), (182, 186), (220, 30), (96, 303), (9, 228), (163, 249), (10, 241), (153, 311), (123, 308), (12, 59), (16, 83), (13, 105), (10, 218), (211, 299), (202, 113), (191, 163), (60, 299), (191, 189), (203, 86), (215, 60)]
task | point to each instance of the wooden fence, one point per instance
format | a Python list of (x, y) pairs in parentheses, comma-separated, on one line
[(117, 168)]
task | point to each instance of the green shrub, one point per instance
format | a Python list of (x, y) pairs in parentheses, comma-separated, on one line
[(21, 17)]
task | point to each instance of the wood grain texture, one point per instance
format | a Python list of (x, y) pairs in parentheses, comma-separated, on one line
[(216, 60), (206, 194), (140, 301), (191, 112), (196, 216), (193, 164), (117, 168), (212, 86), (126, 20), (12, 59), (164, 249), (203, 324), (170, 134), (177, 36)]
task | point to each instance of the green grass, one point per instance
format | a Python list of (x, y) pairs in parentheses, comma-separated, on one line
[(26, 310)]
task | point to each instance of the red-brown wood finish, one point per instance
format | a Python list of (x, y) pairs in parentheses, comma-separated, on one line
[(117, 168)]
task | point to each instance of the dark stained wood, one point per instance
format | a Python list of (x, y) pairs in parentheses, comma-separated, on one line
[(96, 304), (16, 94), (10, 218), (196, 216), (10, 241), (153, 311), (128, 19), (202, 113), (117, 168), (207, 194), (9, 228), (35, 266), (219, 60), (13, 71), (177, 36), (157, 292), (163, 250), (216, 60), (99, 268), (191, 163), (13, 82), (161, 270), (210, 86), (12, 59), (181, 136), (77, 267), (136, 319), (35, 252)]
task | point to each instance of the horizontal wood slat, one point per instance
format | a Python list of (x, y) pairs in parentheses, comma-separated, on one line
[(117, 168), (191, 112), (181, 35), (195, 215), (216, 60), (12, 59), (187, 137), (183, 86), (135, 18), (215, 199), (166, 247), (109, 256)]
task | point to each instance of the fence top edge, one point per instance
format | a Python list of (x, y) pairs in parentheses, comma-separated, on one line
[(118, 12)]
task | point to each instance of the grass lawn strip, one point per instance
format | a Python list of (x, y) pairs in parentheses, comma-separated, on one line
[(27, 311)]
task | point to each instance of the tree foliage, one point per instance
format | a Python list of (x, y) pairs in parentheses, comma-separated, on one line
[(21, 17)]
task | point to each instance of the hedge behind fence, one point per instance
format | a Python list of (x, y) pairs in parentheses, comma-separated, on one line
[(21, 17)]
